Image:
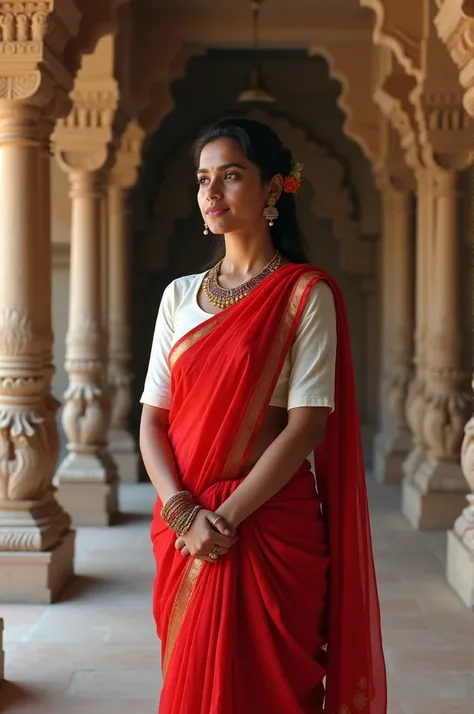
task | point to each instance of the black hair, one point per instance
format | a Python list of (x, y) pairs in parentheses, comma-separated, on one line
[(262, 146)]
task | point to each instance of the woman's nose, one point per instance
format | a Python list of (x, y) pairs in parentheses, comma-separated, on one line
[(214, 191)]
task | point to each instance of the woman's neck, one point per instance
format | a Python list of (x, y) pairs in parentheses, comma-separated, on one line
[(245, 257)]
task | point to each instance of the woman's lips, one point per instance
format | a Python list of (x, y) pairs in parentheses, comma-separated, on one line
[(216, 212)]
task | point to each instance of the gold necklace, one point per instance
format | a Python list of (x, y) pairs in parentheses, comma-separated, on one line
[(224, 297)]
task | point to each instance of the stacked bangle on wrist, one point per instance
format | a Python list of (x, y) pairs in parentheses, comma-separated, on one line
[(179, 512)]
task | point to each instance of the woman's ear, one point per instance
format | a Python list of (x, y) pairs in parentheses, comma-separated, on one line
[(276, 186)]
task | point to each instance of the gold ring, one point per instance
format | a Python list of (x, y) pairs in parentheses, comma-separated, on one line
[(219, 518), (214, 554)]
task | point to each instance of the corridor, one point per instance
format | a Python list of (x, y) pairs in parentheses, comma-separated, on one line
[(96, 652)]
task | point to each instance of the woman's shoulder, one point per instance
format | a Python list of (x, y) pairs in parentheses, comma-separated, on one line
[(182, 284), (320, 296), (177, 290)]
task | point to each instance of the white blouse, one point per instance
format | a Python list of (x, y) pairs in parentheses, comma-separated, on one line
[(307, 376)]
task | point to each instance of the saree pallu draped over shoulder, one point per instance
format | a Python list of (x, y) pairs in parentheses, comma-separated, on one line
[(294, 603)]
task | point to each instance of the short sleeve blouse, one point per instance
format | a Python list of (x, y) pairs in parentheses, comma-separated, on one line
[(308, 374)]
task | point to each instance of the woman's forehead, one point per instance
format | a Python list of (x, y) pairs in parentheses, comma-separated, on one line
[(221, 151)]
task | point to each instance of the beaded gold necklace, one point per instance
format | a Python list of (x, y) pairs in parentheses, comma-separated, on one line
[(224, 297)]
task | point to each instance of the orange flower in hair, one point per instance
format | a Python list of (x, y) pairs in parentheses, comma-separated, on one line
[(292, 182), (291, 185)]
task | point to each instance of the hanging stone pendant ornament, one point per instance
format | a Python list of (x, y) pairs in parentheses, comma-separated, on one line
[(206, 229), (270, 211)]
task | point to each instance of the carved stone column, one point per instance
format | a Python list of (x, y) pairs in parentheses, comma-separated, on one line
[(393, 442), (460, 559), (51, 404), (83, 146), (436, 495), (416, 399), (123, 176), (36, 542), (454, 25), (31, 521), (2, 654), (87, 477)]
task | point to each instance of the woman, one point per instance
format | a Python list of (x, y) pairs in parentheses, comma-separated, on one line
[(265, 584)]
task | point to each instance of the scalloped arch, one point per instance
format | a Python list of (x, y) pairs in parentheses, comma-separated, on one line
[(406, 45), (332, 200), (348, 63)]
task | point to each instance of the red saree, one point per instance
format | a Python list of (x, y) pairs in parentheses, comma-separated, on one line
[(296, 598)]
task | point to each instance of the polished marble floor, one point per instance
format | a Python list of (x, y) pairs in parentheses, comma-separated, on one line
[(96, 652)]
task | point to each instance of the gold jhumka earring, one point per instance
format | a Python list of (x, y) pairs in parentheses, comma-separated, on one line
[(270, 211)]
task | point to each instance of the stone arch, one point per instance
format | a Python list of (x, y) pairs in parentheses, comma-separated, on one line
[(403, 29), (332, 200), (158, 100), (349, 63)]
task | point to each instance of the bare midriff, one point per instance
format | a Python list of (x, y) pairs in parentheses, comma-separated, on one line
[(275, 420)]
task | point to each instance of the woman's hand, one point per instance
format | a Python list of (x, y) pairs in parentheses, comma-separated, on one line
[(207, 531)]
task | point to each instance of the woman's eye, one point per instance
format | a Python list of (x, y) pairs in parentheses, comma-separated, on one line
[(231, 176), (202, 180)]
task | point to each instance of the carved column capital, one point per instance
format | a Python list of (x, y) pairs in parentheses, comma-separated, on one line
[(124, 172), (446, 129), (455, 26), (85, 139), (33, 35)]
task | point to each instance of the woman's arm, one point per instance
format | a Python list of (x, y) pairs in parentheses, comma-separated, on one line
[(278, 464), (156, 451), (160, 464)]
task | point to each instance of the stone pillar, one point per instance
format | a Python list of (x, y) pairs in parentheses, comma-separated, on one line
[(460, 559), (394, 441), (120, 378), (36, 543), (84, 145), (87, 477), (122, 177), (2, 654), (435, 496), (416, 399), (51, 404), (370, 290), (454, 24)]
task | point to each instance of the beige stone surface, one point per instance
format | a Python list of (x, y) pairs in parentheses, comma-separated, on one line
[(460, 568), (430, 510), (90, 503), (36, 577), (2, 654), (96, 650)]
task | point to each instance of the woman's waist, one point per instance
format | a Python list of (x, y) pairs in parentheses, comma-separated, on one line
[(211, 494)]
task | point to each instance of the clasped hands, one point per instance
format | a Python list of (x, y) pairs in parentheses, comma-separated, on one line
[(209, 533)]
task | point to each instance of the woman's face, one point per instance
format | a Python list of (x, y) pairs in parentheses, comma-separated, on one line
[(231, 193)]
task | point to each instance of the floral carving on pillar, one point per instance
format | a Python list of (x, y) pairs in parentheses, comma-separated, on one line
[(86, 411), (23, 447)]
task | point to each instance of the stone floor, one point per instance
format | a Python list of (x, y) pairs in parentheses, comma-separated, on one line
[(95, 652)]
